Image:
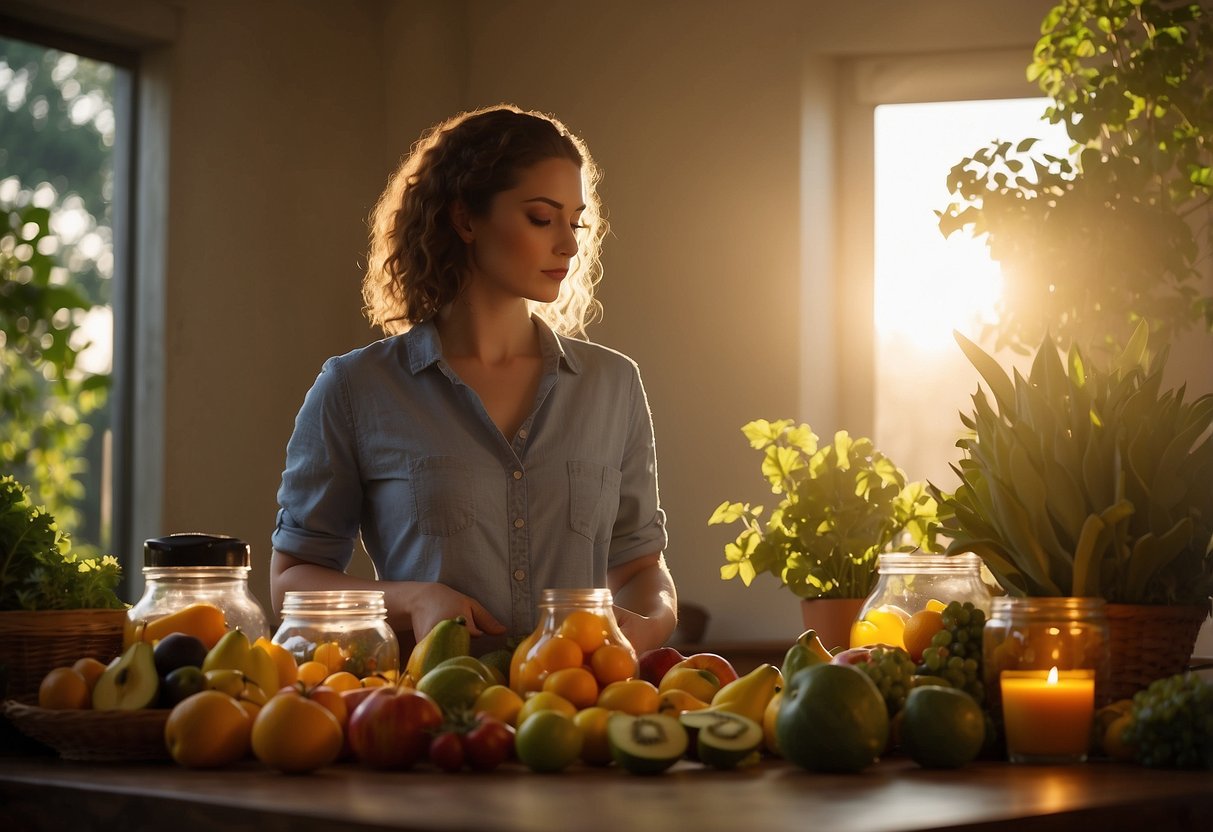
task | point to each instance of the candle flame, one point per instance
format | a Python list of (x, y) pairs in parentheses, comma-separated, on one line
[(1052, 680)]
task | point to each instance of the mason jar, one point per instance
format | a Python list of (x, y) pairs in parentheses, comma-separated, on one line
[(184, 570), (1046, 666), (909, 582), (577, 636), (346, 630)]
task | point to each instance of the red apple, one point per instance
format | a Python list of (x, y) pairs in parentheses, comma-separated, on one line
[(654, 663), (719, 666), (853, 655), (391, 728)]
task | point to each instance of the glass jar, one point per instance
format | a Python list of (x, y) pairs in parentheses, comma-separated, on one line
[(1046, 665), (577, 629), (342, 629), (182, 570), (910, 582)]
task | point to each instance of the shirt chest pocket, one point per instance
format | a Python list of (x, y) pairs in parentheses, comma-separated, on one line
[(593, 498), (443, 491)]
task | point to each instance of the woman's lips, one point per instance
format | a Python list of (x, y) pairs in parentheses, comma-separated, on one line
[(556, 274)]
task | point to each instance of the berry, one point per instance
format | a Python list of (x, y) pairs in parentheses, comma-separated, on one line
[(1172, 725)]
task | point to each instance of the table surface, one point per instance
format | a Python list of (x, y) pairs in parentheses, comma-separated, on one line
[(894, 795)]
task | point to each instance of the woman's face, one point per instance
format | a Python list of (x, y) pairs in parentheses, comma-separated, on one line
[(523, 246)]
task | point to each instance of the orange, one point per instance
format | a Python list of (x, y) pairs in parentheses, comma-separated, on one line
[(586, 628), (330, 698), (64, 688), (632, 696), (919, 630), (91, 669), (882, 625), (558, 653), (342, 680), (938, 606), (205, 621), (312, 673), (330, 655), (613, 663), (575, 684), (529, 677), (518, 659), (296, 734), (544, 701), (207, 730)]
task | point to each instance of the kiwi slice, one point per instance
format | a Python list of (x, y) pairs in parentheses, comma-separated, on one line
[(647, 744), (722, 739)]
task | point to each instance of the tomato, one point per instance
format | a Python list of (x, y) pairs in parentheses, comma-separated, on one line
[(489, 743), (447, 750)]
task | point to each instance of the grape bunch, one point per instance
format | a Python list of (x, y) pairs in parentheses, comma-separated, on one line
[(1172, 724), (955, 651), (892, 669)]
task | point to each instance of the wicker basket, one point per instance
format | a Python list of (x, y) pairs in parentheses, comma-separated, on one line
[(32, 643), (97, 736), (1150, 642)]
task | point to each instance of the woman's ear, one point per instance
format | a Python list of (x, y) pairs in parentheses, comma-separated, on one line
[(461, 221)]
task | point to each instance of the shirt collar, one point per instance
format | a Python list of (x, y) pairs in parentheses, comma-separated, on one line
[(425, 347)]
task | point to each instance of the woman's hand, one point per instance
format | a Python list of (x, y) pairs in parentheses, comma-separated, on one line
[(430, 603), (645, 633)]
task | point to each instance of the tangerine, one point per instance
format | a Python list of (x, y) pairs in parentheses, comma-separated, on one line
[(312, 673), (575, 684), (613, 663), (919, 630), (558, 653), (632, 696), (330, 655), (586, 628), (64, 688)]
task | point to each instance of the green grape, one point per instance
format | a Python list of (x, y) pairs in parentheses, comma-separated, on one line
[(892, 669), (955, 651), (1172, 723)]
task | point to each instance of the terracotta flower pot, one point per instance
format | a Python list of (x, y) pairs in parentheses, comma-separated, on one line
[(831, 618)]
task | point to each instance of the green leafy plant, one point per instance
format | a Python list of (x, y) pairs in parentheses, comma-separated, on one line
[(1092, 244), (38, 570), (842, 503), (1087, 481)]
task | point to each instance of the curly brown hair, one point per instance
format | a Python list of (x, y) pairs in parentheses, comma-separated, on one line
[(417, 261)]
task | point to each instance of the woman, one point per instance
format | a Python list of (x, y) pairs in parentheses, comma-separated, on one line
[(481, 451)]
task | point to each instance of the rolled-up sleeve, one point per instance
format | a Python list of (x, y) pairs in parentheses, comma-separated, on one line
[(640, 523), (321, 493)]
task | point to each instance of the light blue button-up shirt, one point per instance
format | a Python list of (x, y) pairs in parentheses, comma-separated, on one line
[(390, 443)]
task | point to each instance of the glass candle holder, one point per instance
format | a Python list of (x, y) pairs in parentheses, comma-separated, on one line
[(1046, 671)]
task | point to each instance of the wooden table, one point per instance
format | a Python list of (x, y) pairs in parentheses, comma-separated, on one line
[(893, 796)]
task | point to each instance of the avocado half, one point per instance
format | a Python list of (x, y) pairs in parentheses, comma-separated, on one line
[(722, 739), (647, 744)]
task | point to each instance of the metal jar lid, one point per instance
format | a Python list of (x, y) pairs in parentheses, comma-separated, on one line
[(193, 549)]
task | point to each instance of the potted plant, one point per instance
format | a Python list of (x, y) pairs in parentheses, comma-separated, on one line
[(1090, 245), (55, 607), (1093, 481), (840, 505)]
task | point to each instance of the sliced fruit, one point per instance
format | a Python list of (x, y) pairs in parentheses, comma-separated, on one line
[(647, 744), (722, 739), (130, 682)]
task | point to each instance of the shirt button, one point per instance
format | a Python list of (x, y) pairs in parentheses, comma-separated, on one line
[(519, 523), (519, 574), (522, 434), (517, 475)]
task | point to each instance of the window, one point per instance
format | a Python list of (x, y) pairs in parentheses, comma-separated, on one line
[(925, 286), (65, 141)]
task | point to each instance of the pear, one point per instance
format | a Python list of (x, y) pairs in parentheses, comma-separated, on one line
[(749, 695), (130, 682), (229, 653)]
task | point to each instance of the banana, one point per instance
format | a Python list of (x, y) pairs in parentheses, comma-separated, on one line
[(749, 695), (233, 652), (448, 639), (807, 651)]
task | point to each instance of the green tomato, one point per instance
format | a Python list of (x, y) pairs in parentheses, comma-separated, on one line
[(548, 741)]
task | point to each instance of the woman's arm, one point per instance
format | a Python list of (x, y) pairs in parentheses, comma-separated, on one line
[(411, 605), (646, 603)]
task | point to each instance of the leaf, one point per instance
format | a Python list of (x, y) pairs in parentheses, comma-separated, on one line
[(1087, 557), (995, 377)]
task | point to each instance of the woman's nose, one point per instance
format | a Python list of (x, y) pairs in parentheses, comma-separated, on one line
[(566, 245)]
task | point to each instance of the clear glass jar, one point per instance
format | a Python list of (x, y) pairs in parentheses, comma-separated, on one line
[(910, 582), (1026, 640), (181, 570), (577, 629), (355, 621)]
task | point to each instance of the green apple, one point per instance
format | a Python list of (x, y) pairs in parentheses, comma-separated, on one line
[(130, 682)]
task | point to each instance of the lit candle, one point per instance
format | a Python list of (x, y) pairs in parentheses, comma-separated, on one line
[(1048, 715)]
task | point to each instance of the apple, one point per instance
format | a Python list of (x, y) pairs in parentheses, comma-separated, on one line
[(719, 666), (391, 728), (130, 682), (654, 663), (853, 655), (181, 683)]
